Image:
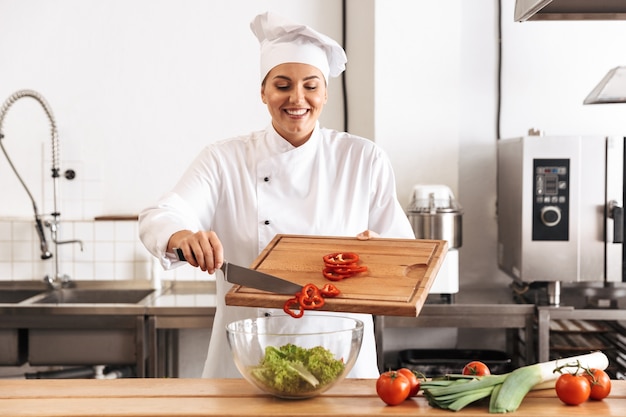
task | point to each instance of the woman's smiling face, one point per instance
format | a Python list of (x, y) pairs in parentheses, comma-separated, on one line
[(295, 95)]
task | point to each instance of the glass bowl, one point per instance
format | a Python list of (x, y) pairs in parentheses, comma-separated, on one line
[(295, 358)]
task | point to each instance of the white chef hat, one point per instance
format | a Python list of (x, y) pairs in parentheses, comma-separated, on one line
[(285, 41)]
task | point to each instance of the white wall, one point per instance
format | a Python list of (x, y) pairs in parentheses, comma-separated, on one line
[(139, 86), (417, 90)]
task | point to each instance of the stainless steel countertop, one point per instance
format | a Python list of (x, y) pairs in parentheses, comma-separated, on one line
[(184, 298)]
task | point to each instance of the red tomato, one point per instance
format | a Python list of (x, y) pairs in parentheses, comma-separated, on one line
[(393, 387), (573, 389), (413, 380), (600, 383), (476, 368)]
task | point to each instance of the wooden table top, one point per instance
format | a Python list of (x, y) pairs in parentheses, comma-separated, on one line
[(229, 397)]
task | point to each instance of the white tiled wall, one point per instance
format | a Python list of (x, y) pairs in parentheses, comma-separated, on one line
[(111, 251)]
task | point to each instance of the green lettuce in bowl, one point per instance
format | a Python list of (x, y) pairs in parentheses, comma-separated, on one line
[(294, 370), (295, 358)]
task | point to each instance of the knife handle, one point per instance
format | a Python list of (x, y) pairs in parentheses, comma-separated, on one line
[(181, 257), (179, 254)]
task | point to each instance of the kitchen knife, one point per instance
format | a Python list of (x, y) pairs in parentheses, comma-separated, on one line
[(236, 274)]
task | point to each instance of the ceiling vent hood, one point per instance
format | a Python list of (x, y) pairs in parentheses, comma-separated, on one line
[(526, 10)]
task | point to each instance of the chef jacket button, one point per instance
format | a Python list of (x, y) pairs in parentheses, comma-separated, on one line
[(266, 222), (267, 314), (266, 179)]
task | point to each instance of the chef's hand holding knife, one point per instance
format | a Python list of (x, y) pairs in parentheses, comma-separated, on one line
[(204, 249), (201, 249)]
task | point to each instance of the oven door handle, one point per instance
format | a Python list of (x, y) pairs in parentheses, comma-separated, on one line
[(616, 213)]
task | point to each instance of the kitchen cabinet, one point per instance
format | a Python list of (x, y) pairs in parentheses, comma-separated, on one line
[(108, 340), (13, 344), (185, 305), (228, 397), (80, 339), (100, 333)]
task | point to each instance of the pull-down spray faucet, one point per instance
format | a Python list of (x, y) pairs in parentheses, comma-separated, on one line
[(58, 279)]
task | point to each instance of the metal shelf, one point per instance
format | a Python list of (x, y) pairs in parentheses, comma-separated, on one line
[(515, 317), (546, 314)]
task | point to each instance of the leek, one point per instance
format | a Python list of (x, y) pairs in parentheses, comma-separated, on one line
[(454, 392), (522, 380), (505, 391)]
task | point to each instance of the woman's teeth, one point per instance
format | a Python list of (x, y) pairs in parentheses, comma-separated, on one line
[(298, 112)]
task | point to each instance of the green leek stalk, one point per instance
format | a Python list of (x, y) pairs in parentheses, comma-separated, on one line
[(456, 391)]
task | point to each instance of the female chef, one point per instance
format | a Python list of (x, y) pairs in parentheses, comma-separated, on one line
[(293, 177)]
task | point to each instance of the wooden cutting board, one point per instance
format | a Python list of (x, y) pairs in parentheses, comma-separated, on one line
[(400, 273)]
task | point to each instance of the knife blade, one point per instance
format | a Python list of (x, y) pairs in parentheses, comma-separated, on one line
[(247, 277)]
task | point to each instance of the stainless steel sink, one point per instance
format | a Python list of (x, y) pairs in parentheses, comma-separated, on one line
[(78, 292), (94, 296), (12, 296), (85, 323)]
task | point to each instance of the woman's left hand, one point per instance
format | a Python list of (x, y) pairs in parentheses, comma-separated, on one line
[(366, 235)]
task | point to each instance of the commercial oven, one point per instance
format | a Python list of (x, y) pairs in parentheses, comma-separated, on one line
[(560, 208), (560, 237)]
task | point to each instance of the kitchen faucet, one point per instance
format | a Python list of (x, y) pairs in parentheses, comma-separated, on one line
[(58, 280)]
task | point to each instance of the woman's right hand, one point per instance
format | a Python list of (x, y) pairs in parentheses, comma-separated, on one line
[(201, 249)]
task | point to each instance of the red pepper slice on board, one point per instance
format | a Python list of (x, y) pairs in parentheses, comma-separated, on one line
[(340, 265), (310, 297), (329, 290), (293, 302), (309, 290), (341, 258), (330, 274), (337, 274), (349, 270), (311, 303)]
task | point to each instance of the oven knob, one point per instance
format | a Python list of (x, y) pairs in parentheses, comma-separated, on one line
[(550, 215)]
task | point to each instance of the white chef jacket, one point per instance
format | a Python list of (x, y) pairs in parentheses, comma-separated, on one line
[(249, 188)]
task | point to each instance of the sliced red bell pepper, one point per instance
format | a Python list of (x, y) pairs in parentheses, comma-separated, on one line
[(311, 303), (310, 290), (329, 290), (341, 258), (350, 270), (310, 297), (329, 273), (293, 303)]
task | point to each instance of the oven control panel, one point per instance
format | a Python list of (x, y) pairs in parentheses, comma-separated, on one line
[(551, 199)]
